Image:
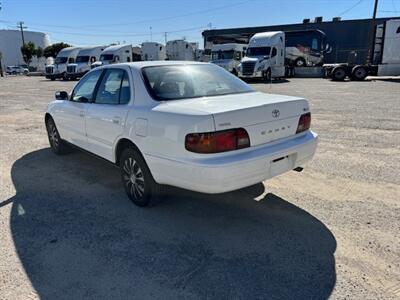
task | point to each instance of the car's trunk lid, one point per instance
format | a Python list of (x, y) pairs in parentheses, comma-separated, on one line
[(266, 117)]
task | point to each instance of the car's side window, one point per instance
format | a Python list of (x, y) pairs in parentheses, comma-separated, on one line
[(125, 94), (83, 91), (114, 88)]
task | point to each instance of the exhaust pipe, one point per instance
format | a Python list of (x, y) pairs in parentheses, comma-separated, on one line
[(298, 169)]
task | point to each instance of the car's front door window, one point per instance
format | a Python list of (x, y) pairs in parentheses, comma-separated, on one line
[(83, 92)]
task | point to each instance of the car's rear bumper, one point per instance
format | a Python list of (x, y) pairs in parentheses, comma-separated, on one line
[(237, 169)]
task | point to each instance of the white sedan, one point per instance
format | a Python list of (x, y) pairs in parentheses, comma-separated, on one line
[(185, 124)]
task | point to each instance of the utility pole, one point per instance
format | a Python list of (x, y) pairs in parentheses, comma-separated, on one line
[(21, 27), (165, 37), (1, 65), (372, 35), (151, 34)]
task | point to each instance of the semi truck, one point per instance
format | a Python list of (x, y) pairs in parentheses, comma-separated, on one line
[(265, 56), (114, 54), (59, 68), (153, 51), (384, 57), (228, 56), (86, 57)]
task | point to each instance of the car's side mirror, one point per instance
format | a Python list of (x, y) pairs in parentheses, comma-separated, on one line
[(61, 95)]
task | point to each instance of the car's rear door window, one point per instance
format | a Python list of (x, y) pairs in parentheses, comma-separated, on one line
[(114, 88)]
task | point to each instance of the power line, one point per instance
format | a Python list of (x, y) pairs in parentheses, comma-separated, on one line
[(350, 8), (123, 35), (148, 20)]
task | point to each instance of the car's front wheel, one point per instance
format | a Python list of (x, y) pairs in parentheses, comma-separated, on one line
[(57, 145), (137, 179)]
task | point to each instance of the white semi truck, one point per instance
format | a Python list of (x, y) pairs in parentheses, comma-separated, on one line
[(385, 52), (228, 56), (86, 57), (114, 54), (153, 51), (59, 68), (265, 56), (181, 50)]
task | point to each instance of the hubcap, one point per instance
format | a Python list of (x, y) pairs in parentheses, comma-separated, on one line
[(133, 177), (53, 135)]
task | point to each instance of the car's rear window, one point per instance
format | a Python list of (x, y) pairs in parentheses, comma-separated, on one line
[(174, 82)]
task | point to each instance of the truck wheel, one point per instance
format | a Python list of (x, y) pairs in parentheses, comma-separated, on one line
[(137, 179), (234, 72), (359, 73), (52, 78), (338, 74), (300, 62), (267, 76)]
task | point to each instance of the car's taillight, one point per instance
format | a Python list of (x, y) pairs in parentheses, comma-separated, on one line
[(218, 141), (304, 123)]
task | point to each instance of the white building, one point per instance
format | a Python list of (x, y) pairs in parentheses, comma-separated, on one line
[(10, 47)]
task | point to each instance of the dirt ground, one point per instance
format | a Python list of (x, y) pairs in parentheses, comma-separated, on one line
[(67, 230)]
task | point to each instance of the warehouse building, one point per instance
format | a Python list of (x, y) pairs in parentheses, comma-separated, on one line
[(348, 39), (11, 42)]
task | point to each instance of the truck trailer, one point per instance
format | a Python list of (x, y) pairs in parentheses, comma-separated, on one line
[(153, 51), (385, 52)]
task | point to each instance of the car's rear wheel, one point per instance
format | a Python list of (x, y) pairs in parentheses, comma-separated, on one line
[(57, 145), (137, 179)]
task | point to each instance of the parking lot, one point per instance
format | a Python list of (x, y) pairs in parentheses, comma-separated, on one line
[(68, 231)]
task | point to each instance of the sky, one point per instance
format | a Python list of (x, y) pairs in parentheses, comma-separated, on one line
[(90, 22)]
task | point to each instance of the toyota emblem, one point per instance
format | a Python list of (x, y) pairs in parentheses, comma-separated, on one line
[(276, 113)]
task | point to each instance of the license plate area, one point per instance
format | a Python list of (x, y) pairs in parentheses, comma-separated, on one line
[(282, 164)]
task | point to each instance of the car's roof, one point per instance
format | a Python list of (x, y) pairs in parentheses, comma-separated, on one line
[(143, 64)]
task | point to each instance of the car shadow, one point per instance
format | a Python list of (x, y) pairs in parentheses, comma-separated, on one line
[(78, 236)]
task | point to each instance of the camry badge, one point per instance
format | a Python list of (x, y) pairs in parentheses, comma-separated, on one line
[(276, 113)]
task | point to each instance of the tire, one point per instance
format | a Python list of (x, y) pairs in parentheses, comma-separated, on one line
[(300, 62), (359, 73), (65, 77), (338, 74), (234, 72), (137, 179), (52, 78), (267, 76), (57, 145)]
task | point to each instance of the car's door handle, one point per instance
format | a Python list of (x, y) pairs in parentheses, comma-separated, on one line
[(116, 120), (82, 113)]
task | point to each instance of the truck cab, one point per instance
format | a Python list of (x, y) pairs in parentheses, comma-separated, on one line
[(228, 56), (59, 68), (265, 56), (114, 54), (86, 57), (153, 51)]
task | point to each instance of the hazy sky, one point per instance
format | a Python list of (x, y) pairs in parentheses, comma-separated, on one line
[(88, 22)]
